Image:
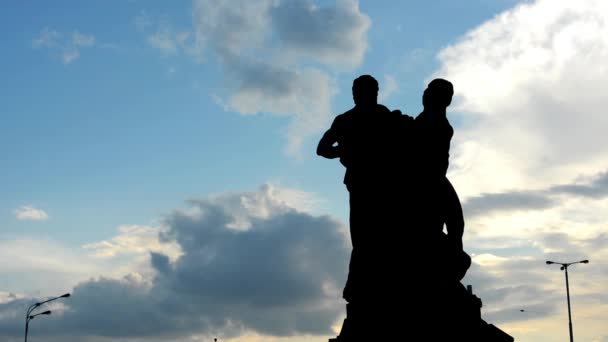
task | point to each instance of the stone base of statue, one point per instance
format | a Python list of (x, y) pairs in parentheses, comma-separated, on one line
[(464, 323), (436, 308)]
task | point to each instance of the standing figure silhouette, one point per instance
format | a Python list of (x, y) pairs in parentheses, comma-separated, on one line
[(360, 137)]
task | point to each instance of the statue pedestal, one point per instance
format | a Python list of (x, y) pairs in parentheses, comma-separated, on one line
[(456, 320)]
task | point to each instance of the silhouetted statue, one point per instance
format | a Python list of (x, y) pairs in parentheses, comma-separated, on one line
[(435, 199), (436, 203), (400, 200), (363, 136)]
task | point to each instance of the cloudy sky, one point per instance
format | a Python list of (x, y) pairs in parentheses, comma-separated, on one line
[(158, 160)]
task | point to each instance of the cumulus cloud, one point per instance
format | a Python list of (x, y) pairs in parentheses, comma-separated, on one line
[(591, 187), (8, 296), (525, 157), (334, 35), (133, 239), (273, 51), (486, 203), (30, 213), (231, 28), (507, 285), (526, 85), (67, 48), (304, 95), (511, 244), (250, 263), (274, 55), (269, 199), (513, 233), (279, 277)]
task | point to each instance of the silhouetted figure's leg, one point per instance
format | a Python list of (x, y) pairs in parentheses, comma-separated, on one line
[(355, 223), (365, 226)]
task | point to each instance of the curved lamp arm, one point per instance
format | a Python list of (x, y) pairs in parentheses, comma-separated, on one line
[(47, 312)]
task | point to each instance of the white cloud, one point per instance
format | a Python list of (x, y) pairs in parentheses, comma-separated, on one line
[(508, 282), (387, 88), (531, 119), (294, 198), (281, 275), (161, 35), (68, 50), (304, 95), (335, 35), (269, 200), (6, 297), (79, 39), (30, 213), (527, 86), (529, 137), (231, 28), (164, 41), (273, 53), (271, 50), (48, 38), (68, 56), (294, 266), (132, 240)]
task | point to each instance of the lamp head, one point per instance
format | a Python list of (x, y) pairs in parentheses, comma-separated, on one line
[(65, 295), (550, 262), (585, 261)]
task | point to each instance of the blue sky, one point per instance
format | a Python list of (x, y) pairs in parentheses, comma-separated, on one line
[(115, 114), (128, 130)]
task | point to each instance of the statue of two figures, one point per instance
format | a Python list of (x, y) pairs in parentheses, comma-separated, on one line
[(405, 273)]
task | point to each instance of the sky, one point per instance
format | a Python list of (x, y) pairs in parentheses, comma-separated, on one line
[(158, 160)]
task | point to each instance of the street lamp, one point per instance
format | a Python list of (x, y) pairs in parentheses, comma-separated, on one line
[(47, 312), (29, 316), (565, 268)]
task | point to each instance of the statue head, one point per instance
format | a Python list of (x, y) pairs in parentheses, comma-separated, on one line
[(438, 94), (365, 90)]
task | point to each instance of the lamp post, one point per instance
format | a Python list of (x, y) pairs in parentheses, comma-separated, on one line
[(29, 316), (565, 268)]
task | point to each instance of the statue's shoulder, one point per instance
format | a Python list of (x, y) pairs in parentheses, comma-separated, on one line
[(343, 121), (346, 116), (349, 112)]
